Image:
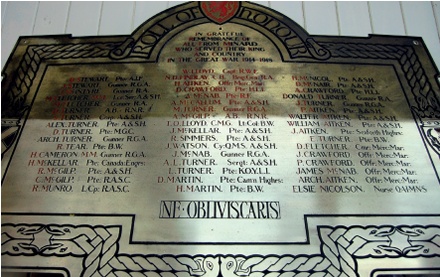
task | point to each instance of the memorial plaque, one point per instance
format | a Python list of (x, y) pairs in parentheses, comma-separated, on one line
[(221, 139)]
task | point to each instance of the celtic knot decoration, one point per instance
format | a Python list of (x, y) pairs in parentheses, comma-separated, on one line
[(341, 247)]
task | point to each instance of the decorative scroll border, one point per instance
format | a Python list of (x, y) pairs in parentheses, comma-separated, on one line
[(145, 40), (428, 103), (98, 246), (341, 247), (16, 95)]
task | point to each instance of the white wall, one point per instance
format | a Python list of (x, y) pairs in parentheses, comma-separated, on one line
[(87, 18)]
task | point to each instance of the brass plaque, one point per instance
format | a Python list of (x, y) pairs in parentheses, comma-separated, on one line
[(220, 139)]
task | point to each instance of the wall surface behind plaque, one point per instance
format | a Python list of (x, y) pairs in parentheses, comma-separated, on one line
[(91, 18), (88, 18)]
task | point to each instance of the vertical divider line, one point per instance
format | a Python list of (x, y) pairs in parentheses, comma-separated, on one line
[(35, 17), (370, 17), (100, 18), (437, 20), (67, 17), (133, 16), (337, 17), (304, 15), (4, 11), (403, 18)]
